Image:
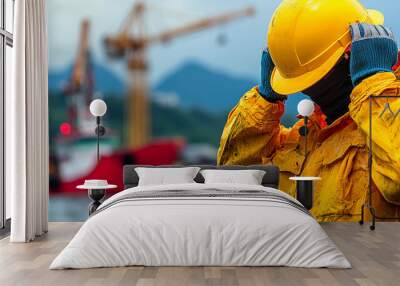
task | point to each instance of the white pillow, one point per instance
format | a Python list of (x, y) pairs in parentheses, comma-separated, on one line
[(166, 176), (247, 177)]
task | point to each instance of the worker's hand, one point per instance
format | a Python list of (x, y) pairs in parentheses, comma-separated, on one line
[(373, 50), (265, 89)]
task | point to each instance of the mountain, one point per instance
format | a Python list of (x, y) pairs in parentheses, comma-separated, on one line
[(198, 86), (106, 81), (197, 126), (204, 88), (190, 86)]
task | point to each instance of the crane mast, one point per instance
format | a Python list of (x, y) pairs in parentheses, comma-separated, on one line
[(131, 43), (79, 87)]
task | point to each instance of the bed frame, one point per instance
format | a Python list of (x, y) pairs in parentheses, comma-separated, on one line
[(270, 179)]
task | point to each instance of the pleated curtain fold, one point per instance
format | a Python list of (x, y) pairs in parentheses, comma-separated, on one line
[(27, 143)]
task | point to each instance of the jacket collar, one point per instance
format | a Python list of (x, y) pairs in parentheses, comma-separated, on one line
[(340, 123)]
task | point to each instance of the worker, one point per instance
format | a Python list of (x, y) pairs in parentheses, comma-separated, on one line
[(338, 53)]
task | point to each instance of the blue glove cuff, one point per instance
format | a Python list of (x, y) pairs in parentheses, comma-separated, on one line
[(373, 50), (371, 58), (269, 95), (265, 89)]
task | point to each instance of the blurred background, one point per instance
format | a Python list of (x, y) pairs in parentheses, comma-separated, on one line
[(170, 71)]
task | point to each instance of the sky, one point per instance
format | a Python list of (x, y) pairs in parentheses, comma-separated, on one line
[(240, 56)]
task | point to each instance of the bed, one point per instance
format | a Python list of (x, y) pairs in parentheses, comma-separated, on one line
[(201, 224)]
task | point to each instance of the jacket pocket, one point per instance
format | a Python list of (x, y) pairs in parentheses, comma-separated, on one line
[(289, 160), (335, 148)]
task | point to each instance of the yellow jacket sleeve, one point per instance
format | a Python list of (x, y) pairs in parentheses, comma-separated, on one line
[(385, 129), (252, 131)]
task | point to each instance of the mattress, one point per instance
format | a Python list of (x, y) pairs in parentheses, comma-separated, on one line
[(201, 225)]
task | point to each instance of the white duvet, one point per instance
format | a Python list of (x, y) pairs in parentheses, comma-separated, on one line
[(200, 231)]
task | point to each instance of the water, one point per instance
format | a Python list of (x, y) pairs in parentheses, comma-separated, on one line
[(68, 208)]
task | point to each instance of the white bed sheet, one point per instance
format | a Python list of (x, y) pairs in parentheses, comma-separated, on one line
[(200, 232)]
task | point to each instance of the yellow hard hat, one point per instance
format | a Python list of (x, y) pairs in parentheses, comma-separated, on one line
[(306, 38)]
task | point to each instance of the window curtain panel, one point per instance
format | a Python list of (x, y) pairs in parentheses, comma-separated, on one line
[(27, 124)]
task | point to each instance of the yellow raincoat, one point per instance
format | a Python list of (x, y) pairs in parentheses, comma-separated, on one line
[(338, 153)]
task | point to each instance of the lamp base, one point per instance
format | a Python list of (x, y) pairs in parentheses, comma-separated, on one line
[(96, 196), (305, 193)]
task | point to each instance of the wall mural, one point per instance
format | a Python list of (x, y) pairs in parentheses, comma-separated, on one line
[(184, 87)]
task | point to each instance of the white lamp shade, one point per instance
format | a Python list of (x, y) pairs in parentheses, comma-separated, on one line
[(305, 107), (98, 107)]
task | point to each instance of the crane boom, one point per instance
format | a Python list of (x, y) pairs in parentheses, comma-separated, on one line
[(200, 25), (132, 42)]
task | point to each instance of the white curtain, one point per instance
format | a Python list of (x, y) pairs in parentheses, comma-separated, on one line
[(27, 124)]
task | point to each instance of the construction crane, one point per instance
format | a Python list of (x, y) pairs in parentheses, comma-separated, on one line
[(131, 43), (79, 87)]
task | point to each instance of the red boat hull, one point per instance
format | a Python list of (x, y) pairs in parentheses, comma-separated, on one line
[(161, 152)]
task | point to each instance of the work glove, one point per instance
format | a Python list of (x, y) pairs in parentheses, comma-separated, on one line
[(265, 88), (373, 50)]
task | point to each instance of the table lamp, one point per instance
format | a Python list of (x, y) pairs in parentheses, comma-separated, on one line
[(304, 184), (305, 109), (98, 108)]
